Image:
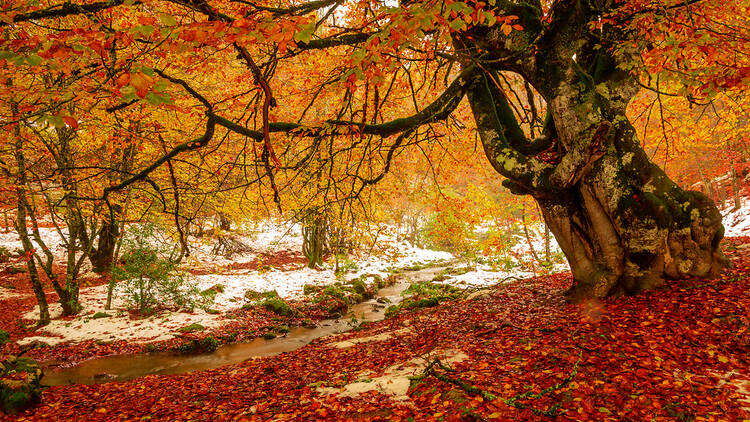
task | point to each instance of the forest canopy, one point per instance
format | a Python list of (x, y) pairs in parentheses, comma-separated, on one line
[(126, 109)]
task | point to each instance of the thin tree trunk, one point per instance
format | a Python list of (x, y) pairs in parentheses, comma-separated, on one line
[(736, 189), (28, 247)]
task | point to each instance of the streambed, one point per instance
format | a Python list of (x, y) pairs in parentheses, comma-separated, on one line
[(126, 367)]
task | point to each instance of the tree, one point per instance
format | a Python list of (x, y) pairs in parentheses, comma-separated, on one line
[(337, 90)]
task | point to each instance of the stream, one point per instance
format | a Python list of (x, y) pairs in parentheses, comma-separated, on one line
[(126, 367)]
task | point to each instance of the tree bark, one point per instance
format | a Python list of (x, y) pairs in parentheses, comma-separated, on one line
[(736, 189), (101, 257), (622, 224)]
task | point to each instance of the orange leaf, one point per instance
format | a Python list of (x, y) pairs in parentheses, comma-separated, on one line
[(141, 82), (70, 121)]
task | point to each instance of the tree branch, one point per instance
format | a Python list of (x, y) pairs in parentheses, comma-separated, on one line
[(65, 9), (187, 146)]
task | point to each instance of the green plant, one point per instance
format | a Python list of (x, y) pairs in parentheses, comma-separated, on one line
[(346, 265), (16, 270), (4, 337), (391, 311), (204, 345), (278, 306), (151, 281), (191, 328), (309, 289)]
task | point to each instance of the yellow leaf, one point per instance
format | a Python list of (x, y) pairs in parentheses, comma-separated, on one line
[(506, 29)]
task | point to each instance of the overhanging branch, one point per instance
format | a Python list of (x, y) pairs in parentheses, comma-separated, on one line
[(65, 9)]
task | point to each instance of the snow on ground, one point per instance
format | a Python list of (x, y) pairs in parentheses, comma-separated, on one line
[(10, 294), (485, 277), (50, 236), (290, 284), (263, 238), (736, 223), (118, 326), (270, 237)]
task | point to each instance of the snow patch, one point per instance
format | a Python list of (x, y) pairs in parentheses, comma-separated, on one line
[(118, 326), (377, 337), (10, 294), (395, 380), (737, 222)]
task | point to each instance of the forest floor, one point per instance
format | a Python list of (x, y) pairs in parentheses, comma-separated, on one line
[(268, 262), (514, 351)]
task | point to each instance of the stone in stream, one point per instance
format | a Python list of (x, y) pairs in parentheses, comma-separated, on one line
[(19, 384)]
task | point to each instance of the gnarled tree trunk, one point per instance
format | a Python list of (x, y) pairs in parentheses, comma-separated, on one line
[(623, 225)]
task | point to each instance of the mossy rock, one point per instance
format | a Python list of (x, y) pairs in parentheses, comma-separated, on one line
[(100, 315), (16, 270), (309, 289), (281, 329), (214, 290), (191, 328), (213, 311), (269, 336), (278, 306), (204, 345), (423, 303), (391, 311), (333, 291), (19, 384), (252, 295), (359, 286), (270, 294)]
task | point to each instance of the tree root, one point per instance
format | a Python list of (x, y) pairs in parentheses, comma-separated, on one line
[(513, 401)]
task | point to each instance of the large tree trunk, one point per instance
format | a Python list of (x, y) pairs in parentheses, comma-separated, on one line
[(626, 227), (623, 225)]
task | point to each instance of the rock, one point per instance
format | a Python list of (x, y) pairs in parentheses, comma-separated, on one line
[(278, 306), (214, 290), (191, 328), (251, 295), (19, 384)]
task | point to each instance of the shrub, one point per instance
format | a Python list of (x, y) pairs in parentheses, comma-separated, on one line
[(151, 281), (5, 254)]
